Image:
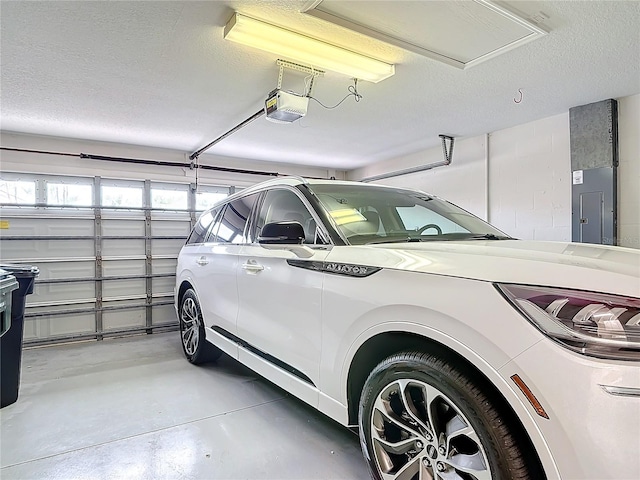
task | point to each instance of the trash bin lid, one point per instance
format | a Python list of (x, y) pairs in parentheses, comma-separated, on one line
[(19, 270), (8, 283)]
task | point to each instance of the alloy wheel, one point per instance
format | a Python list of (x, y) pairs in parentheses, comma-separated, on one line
[(190, 326), (418, 433)]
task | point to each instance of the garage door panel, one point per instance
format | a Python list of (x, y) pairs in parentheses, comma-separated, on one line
[(115, 248), (113, 320), (71, 227), (58, 325), (132, 227), (163, 285), (164, 314), (8, 253), (43, 325), (66, 269), (171, 228), (40, 227), (24, 227), (112, 268), (67, 293), (63, 269), (35, 328), (38, 249), (70, 248), (72, 324), (64, 307), (165, 265), (160, 218), (123, 288), (166, 247)]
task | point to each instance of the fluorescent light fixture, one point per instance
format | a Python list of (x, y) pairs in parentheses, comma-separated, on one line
[(302, 48)]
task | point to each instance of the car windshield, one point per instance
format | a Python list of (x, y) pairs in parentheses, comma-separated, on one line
[(366, 214)]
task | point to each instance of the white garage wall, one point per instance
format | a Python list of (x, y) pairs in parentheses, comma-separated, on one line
[(64, 165), (463, 182), (524, 184), (629, 171), (530, 180)]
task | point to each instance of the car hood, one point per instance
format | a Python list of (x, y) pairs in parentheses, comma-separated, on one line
[(570, 265)]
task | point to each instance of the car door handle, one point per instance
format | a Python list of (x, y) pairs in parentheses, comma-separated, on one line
[(252, 267), (202, 261)]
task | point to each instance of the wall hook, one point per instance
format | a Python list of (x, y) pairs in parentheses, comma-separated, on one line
[(521, 96)]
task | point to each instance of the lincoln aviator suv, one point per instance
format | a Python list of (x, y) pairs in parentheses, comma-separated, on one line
[(456, 351)]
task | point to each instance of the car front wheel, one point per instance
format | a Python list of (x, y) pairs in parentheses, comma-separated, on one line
[(421, 418), (194, 343)]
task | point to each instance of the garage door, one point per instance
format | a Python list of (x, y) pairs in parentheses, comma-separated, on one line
[(106, 250)]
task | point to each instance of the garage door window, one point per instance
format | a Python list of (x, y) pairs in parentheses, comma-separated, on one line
[(69, 194), (17, 192), (169, 199), (113, 196)]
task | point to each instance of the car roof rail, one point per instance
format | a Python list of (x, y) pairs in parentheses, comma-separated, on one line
[(299, 177)]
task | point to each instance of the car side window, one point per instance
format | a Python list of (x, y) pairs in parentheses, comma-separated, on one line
[(199, 232), (213, 229), (232, 223), (282, 205)]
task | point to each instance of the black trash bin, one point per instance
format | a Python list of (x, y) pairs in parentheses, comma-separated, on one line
[(11, 339)]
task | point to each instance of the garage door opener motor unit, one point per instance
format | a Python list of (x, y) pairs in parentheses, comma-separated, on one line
[(285, 107)]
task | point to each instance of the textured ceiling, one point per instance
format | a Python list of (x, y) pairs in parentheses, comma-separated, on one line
[(160, 74)]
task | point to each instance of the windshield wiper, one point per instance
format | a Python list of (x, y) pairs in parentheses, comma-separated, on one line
[(439, 238), (395, 240), (488, 236)]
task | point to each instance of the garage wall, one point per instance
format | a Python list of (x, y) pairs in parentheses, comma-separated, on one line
[(463, 182), (522, 183), (629, 171), (530, 180)]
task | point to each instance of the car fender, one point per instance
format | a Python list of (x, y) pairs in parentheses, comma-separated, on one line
[(184, 276), (510, 393)]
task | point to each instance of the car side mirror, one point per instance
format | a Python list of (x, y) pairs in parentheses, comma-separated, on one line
[(282, 233)]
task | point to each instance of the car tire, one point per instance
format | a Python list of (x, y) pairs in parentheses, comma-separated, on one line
[(194, 343), (422, 418)]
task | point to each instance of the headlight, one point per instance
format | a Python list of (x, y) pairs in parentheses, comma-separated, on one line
[(595, 324)]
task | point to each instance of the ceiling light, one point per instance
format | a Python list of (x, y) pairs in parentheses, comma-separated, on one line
[(310, 51)]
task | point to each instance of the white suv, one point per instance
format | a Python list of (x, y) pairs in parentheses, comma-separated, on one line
[(458, 352)]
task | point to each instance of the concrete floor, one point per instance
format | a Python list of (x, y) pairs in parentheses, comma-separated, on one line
[(134, 408)]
